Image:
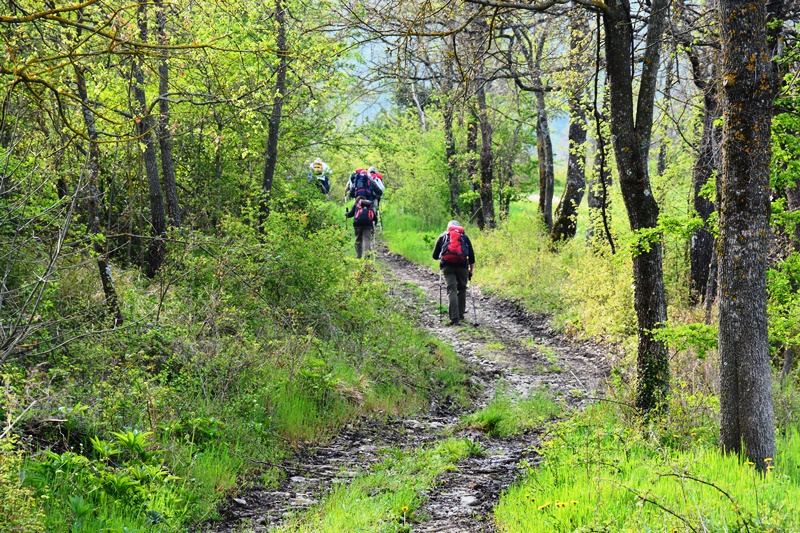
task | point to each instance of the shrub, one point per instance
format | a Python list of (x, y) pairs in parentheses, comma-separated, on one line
[(20, 510)]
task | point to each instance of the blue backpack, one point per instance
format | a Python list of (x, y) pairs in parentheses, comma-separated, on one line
[(361, 185)]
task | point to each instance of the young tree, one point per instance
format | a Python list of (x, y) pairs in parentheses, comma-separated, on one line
[(144, 129), (700, 47), (163, 129), (93, 197), (566, 223), (274, 122)]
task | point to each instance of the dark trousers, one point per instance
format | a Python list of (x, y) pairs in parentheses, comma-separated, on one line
[(456, 278), (363, 240)]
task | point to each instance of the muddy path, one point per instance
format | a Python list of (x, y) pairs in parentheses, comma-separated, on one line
[(509, 349)]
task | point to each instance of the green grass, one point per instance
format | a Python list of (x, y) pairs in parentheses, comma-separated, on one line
[(509, 415), (387, 498), (410, 236), (602, 475)]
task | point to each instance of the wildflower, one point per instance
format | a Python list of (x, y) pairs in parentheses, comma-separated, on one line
[(544, 506), (749, 463), (560, 504), (768, 460), (676, 435), (770, 467), (404, 508), (574, 502)]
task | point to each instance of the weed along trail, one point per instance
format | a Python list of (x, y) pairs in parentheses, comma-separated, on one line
[(442, 470)]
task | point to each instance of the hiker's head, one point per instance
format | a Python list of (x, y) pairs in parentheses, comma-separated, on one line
[(372, 170), (453, 223)]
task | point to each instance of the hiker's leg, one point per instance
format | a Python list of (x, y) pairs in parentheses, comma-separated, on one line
[(451, 280), (366, 241), (462, 275), (359, 240)]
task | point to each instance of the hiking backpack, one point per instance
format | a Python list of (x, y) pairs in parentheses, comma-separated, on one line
[(365, 214), (455, 249), (377, 186), (361, 185)]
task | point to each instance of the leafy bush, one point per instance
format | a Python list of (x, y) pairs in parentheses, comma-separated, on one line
[(20, 510)]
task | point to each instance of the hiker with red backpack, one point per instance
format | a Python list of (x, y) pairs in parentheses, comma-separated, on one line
[(363, 215), (456, 259)]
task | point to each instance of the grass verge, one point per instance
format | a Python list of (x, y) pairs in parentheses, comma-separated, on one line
[(603, 475)]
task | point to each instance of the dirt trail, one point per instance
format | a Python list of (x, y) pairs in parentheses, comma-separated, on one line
[(510, 348)]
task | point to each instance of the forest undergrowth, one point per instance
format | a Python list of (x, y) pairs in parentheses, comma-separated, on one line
[(606, 469), (249, 345)]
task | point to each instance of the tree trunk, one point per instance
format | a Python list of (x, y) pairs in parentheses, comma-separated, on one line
[(661, 162), (271, 156), (746, 413), (702, 243), (504, 191), (566, 223), (144, 129), (450, 154), (544, 148), (163, 131), (420, 112), (487, 158), (93, 199), (472, 169), (631, 140)]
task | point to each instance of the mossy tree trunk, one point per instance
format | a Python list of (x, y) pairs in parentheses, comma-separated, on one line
[(746, 412)]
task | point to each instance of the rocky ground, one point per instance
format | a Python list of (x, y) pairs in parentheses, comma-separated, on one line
[(507, 348)]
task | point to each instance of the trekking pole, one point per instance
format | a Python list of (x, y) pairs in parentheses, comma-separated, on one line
[(440, 297), (474, 312)]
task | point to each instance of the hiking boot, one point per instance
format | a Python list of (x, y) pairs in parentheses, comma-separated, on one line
[(454, 322)]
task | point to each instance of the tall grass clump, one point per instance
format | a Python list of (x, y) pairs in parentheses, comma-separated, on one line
[(511, 414), (515, 261)]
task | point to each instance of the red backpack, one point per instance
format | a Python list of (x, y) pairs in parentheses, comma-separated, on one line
[(455, 248), (364, 214)]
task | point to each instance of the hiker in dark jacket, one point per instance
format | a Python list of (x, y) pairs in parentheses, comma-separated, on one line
[(456, 258), (363, 215)]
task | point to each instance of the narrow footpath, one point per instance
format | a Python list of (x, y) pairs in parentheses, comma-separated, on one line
[(509, 348)]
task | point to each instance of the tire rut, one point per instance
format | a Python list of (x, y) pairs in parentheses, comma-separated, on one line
[(509, 348)]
